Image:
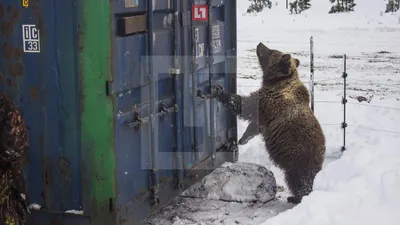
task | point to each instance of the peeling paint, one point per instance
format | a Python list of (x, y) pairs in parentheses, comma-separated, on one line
[(8, 51), (16, 69)]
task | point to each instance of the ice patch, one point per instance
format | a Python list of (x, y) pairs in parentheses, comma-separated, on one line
[(240, 182), (77, 212), (34, 206)]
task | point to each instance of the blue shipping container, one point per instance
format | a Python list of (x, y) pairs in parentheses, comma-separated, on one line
[(115, 94)]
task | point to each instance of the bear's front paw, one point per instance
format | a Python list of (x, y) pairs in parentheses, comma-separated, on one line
[(294, 200), (243, 141), (218, 90)]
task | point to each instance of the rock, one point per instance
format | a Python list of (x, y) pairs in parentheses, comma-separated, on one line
[(239, 182)]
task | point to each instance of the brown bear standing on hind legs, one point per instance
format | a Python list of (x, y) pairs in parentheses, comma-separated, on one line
[(280, 111)]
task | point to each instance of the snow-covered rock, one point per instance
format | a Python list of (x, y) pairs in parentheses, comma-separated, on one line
[(240, 182)]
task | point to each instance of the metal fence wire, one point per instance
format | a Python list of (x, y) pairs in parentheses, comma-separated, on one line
[(343, 79)]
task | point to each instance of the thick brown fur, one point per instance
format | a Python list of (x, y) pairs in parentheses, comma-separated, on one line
[(293, 137)]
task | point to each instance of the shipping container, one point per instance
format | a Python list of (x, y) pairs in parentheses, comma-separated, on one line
[(117, 98)]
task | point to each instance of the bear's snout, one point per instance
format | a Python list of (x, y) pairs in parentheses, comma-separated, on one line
[(262, 49)]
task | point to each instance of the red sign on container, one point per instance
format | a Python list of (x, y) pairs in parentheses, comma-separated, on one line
[(200, 12)]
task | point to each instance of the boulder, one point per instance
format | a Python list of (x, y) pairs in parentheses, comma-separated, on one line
[(237, 182)]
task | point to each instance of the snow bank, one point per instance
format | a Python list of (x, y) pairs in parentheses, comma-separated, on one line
[(240, 182), (362, 187)]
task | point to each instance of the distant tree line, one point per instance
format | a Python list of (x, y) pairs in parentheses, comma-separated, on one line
[(342, 6), (392, 6), (298, 6), (258, 5)]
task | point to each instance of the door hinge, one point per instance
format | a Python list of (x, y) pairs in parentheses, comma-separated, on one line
[(110, 88)]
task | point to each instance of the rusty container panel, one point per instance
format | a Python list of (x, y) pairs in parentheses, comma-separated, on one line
[(37, 70), (113, 96)]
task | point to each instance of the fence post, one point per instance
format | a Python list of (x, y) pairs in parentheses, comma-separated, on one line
[(311, 84), (344, 101)]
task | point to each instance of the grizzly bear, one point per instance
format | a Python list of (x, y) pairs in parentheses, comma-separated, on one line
[(280, 112)]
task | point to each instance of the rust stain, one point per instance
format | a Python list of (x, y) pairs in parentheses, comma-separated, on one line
[(16, 69), (6, 28), (1, 77), (18, 53), (34, 92), (64, 166), (8, 51), (12, 13), (10, 82), (1, 11)]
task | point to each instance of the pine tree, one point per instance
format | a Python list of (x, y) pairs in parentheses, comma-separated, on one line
[(335, 8), (293, 6), (392, 6), (298, 6), (342, 6), (304, 5), (350, 5), (258, 5)]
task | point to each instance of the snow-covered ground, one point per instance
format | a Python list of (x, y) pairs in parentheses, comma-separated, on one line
[(360, 186)]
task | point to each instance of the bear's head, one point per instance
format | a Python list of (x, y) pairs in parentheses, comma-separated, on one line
[(276, 65)]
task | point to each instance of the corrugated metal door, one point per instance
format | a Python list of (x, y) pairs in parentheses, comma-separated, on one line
[(209, 45), (147, 103), (166, 130)]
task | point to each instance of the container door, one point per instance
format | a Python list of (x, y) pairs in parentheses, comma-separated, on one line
[(147, 97), (165, 130), (209, 47)]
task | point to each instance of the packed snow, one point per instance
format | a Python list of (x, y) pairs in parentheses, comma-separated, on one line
[(359, 186), (240, 182)]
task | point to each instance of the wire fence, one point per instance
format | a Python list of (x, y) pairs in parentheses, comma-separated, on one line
[(339, 79), (342, 80), (360, 104), (361, 127)]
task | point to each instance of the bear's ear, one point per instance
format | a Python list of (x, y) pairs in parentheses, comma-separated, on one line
[(285, 63), (297, 62)]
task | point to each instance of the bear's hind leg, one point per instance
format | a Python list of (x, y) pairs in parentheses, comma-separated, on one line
[(300, 183)]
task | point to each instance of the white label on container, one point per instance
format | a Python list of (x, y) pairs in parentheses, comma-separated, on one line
[(31, 38)]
